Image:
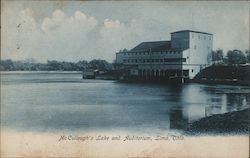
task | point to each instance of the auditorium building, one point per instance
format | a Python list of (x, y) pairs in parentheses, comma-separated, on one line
[(181, 58)]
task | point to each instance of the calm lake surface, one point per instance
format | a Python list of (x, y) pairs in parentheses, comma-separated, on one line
[(45, 102)]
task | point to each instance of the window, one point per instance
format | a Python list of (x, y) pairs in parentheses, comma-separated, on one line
[(175, 60), (161, 60), (192, 70), (194, 46)]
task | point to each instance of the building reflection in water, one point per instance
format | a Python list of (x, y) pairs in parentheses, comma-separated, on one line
[(210, 101), (177, 119), (236, 101), (212, 110)]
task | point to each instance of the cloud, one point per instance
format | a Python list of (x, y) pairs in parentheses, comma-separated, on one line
[(59, 21), (27, 20), (81, 36), (54, 22), (79, 33), (110, 24), (19, 34)]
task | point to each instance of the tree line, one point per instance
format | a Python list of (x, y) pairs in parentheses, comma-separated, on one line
[(53, 65), (233, 57)]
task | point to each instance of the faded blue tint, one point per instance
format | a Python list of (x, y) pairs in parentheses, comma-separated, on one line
[(64, 102)]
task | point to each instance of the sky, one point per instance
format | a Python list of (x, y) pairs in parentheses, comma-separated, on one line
[(86, 30)]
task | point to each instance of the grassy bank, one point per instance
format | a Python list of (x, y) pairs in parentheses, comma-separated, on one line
[(236, 122), (225, 74)]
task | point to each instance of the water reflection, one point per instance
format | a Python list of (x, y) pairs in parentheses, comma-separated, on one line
[(66, 102), (197, 103), (212, 110), (236, 101), (177, 119)]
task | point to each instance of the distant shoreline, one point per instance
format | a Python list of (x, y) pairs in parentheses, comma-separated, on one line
[(225, 75), (37, 72)]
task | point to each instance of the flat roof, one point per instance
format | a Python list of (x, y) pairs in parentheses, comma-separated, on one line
[(192, 31)]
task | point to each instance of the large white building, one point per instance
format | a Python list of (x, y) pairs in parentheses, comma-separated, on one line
[(182, 57)]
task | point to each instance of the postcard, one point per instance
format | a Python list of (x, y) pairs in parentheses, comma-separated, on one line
[(125, 79)]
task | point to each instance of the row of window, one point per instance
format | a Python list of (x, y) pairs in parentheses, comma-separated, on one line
[(202, 37), (195, 47), (151, 53), (154, 60)]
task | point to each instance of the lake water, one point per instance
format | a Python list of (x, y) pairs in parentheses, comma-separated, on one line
[(55, 101)]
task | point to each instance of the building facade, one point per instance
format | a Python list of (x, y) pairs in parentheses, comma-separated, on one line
[(181, 58)]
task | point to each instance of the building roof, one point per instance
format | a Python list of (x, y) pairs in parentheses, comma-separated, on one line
[(153, 46), (192, 31)]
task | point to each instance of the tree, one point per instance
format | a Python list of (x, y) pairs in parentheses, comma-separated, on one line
[(100, 64), (236, 57), (247, 52), (217, 55), (54, 65), (7, 64), (81, 65), (124, 50)]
